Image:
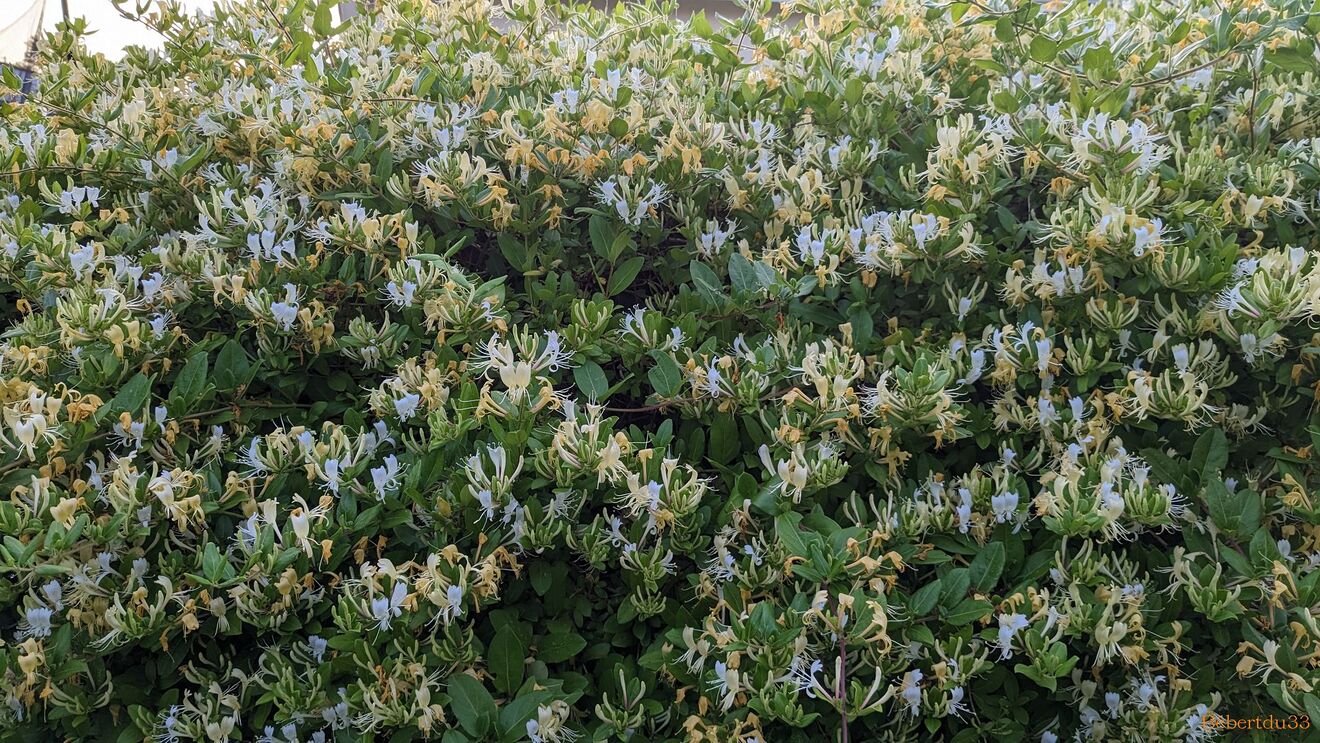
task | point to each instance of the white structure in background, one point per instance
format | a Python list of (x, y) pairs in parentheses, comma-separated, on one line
[(113, 32), (18, 26), (18, 40), (20, 19)]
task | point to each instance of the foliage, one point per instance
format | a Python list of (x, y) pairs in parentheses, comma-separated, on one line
[(529, 372)]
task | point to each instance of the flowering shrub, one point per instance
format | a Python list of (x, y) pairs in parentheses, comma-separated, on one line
[(531, 373)]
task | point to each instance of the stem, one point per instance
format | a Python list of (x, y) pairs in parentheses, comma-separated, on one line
[(843, 681)]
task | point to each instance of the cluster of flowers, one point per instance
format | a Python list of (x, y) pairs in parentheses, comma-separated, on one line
[(523, 372)]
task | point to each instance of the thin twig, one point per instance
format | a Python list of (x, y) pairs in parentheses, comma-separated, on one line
[(841, 691)]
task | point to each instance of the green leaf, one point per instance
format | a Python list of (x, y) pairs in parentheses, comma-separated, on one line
[(924, 599), (665, 376), (968, 611), (515, 714), (1006, 102), (130, 399), (624, 275), (986, 63), (787, 532), (514, 251), (1162, 466), (1096, 60), (506, 661), (591, 380), (954, 586), (700, 26), (231, 366), (1043, 49), (852, 92), (542, 577), (558, 647), (1049, 682), (1210, 455), (473, 706), (602, 235), (987, 567), (724, 443), (1291, 59), (1004, 30), (321, 20), (1237, 513), (10, 78), (191, 382), (743, 275), (707, 283)]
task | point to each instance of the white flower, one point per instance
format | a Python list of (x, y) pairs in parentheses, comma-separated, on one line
[(1009, 625), (811, 249), (924, 227), (54, 593), (286, 312), (405, 407), (401, 295), (713, 379), (331, 474), (912, 691), (487, 502), (956, 706), (383, 478), (631, 200), (964, 509), (82, 259), (36, 623), (316, 646), (265, 246), (1145, 236), (454, 595), (1004, 506), (802, 672), (385, 609)]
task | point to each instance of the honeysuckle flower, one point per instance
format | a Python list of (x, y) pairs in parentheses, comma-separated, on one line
[(53, 593), (331, 473), (911, 691), (956, 706), (384, 478), (317, 647), (802, 672), (405, 407), (1197, 730), (401, 294), (1004, 506), (726, 684), (487, 502), (168, 724), (792, 473), (286, 313), (1009, 626), (384, 609), (36, 623), (549, 725), (632, 200), (454, 597), (712, 240)]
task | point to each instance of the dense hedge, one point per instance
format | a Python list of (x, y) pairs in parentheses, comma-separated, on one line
[(523, 372)]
